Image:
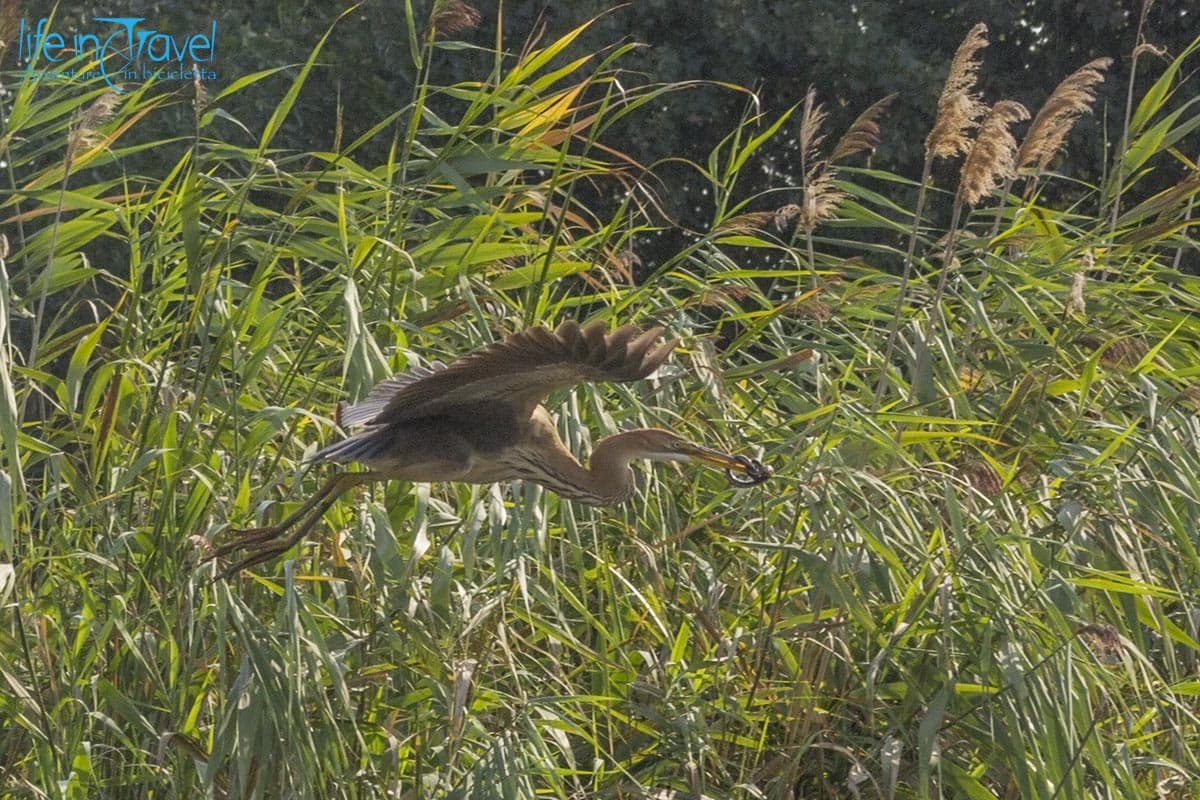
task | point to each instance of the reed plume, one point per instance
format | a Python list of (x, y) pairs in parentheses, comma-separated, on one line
[(749, 223), (84, 133), (199, 93), (992, 159), (958, 109), (1070, 100), (988, 163), (1076, 305), (1105, 643), (981, 476), (863, 134), (821, 195), (453, 16), (958, 106), (10, 22), (812, 117), (785, 214)]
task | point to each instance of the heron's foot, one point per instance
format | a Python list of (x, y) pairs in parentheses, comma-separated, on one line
[(264, 543), (257, 546)]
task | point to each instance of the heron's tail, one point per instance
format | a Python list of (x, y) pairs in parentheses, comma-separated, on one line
[(368, 447)]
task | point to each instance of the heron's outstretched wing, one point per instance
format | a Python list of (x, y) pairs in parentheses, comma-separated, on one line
[(369, 407), (520, 371)]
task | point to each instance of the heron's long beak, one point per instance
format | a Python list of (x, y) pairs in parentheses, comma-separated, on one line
[(756, 471)]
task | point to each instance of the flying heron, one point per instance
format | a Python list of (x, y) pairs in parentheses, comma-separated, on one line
[(481, 420)]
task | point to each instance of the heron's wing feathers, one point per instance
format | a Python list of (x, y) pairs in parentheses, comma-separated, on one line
[(521, 371), (369, 407)]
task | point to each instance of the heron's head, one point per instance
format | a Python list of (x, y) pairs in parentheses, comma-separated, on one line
[(662, 445)]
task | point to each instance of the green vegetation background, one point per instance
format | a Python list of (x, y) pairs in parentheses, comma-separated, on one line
[(974, 574), (854, 53)]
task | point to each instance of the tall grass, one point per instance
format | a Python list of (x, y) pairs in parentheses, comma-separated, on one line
[(974, 574)]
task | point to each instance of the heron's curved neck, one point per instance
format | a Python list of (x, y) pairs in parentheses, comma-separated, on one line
[(609, 468), (606, 481)]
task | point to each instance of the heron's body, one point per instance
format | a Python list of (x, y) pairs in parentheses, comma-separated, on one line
[(481, 420), (451, 446), (474, 448)]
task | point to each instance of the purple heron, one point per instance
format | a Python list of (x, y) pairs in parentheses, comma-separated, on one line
[(481, 420)]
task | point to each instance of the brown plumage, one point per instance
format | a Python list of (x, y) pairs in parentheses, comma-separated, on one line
[(481, 420)]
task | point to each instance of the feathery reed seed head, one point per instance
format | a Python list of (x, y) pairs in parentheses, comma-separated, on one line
[(991, 159), (1070, 100), (863, 133), (200, 94), (453, 16), (1121, 353), (812, 309), (958, 107), (1147, 47), (717, 296), (1190, 397), (624, 262), (1124, 353), (1104, 641), (821, 196), (1076, 304), (980, 476), (629, 259), (750, 222), (785, 214), (811, 120), (84, 133)]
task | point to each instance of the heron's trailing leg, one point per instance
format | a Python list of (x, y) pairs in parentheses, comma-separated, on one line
[(268, 541)]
